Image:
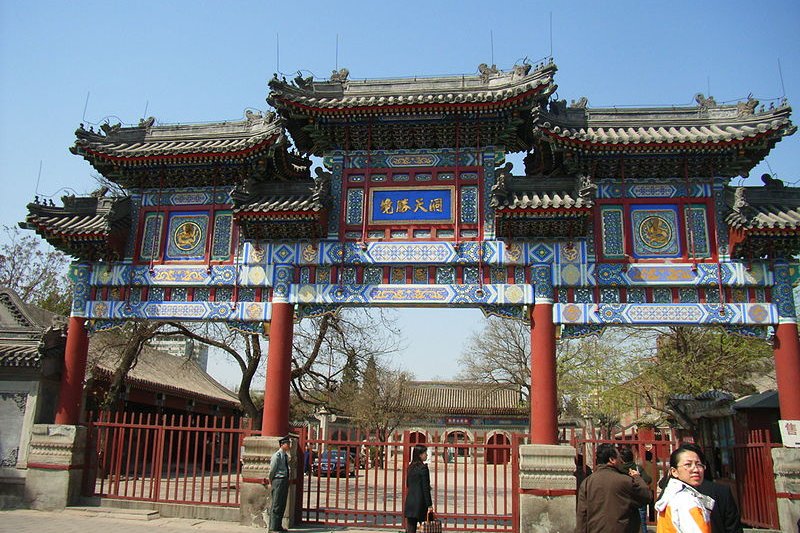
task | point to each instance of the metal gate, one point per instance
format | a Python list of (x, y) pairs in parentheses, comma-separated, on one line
[(358, 480), (755, 481), (161, 458)]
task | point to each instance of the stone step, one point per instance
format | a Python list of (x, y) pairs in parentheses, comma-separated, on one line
[(116, 512)]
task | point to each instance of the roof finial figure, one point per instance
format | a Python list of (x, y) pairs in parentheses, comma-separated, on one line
[(580, 103), (499, 192), (487, 71), (771, 183), (747, 108), (703, 102), (340, 75), (302, 82)]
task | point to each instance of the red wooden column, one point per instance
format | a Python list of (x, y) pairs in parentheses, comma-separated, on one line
[(275, 420), (544, 401), (787, 369), (75, 355)]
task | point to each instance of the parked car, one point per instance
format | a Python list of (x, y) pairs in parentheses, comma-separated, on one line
[(333, 463)]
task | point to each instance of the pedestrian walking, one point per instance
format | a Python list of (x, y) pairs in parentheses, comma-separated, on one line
[(608, 500), (629, 463), (418, 482)]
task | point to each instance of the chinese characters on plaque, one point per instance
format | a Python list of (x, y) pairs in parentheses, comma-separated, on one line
[(391, 205)]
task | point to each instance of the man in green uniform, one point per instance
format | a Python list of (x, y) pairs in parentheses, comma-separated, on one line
[(279, 479)]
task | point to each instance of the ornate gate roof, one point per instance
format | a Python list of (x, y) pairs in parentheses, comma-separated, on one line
[(221, 153), (706, 140), (491, 108), (93, 227)]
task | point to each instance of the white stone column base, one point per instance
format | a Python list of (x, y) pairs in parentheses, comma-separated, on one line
[(786, 465), (56, 458), (547, 488)]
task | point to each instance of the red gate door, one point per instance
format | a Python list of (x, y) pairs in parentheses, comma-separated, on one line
[(758, 502), (359, 481)]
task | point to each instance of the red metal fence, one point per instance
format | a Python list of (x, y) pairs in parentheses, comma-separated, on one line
[(161, 458), (659, 446), (752, 468), (359, 480), (755, 480)]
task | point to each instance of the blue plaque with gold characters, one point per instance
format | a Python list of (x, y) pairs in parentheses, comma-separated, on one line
[(392, 205)]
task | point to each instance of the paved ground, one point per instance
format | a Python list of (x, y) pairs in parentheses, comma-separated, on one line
[(26, 521)]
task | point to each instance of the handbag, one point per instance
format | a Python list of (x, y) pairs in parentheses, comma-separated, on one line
[(431, 524)]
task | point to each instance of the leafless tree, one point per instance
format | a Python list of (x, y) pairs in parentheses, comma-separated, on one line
[(35, 271)]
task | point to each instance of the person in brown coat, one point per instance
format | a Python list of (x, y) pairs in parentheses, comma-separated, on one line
[(608, 500)]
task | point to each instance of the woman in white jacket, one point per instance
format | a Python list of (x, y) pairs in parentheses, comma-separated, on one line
[(681, 508)]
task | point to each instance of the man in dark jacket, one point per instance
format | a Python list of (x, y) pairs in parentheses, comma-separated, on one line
[(608, 500)]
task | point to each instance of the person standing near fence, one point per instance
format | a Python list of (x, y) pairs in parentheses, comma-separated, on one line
[(418, 482), (609, 500), (629, 463), (681, 507), (279, 479), (725, 516)]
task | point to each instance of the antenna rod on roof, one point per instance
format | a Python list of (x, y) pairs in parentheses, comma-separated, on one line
[(39, 177), (85, 105), (551, 34), (780, 73), (146, 105), (337, 52), (708, 85), (277, 52), (491, 44)]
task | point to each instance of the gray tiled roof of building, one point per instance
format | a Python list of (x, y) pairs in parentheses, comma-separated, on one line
[(665, 125), (158, 371), (458, 397), (280, 203), (149, 140), (21, 329), (770, 207), (491, 85)]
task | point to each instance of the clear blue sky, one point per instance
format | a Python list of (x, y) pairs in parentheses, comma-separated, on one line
[(209, 61)]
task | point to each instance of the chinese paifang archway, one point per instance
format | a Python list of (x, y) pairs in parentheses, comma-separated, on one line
[(621, 216)]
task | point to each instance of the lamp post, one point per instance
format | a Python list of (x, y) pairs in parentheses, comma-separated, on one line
[(324, 416)]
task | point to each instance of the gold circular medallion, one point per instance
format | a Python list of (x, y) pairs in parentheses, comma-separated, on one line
[(655, 232), (187, 235)]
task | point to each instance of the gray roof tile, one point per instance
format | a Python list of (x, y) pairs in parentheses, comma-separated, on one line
[(698, 125), (456, 397), (149, 140)]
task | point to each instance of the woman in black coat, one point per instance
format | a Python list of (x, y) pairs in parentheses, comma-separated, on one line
[(418, 482)]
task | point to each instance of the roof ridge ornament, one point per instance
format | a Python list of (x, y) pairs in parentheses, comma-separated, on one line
[(771, 183), (341, 75), (580, 103), (520, 71), (741, 207), (499, 192), (705, 103), (584, 187), (746, 109), (321, 191), (147, 123), (303, 83), (487, 72), (110, 129)]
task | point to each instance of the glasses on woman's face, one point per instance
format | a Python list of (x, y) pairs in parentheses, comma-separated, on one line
[(691, 466)]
